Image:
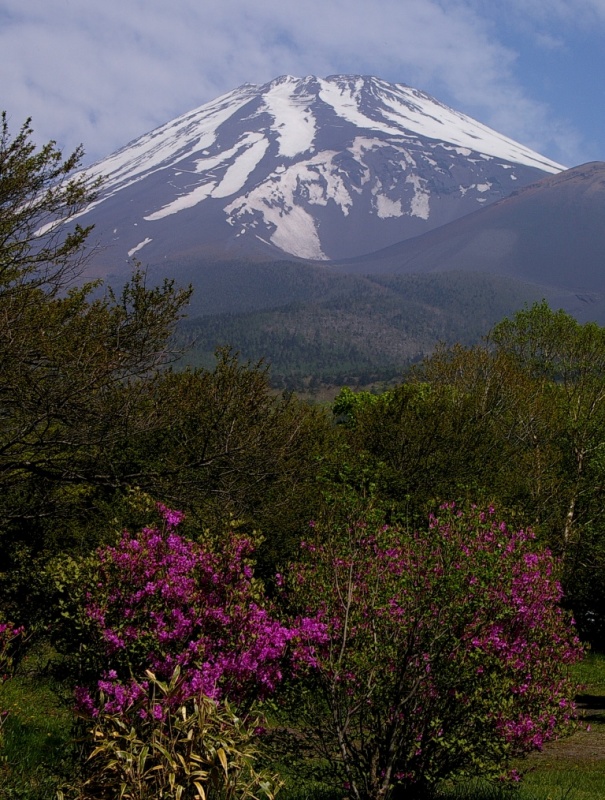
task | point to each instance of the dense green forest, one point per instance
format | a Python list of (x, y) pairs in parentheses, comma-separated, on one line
[(100, 421), (352, 330)]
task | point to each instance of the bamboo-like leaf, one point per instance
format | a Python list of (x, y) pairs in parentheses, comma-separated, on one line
[(143, 757), (202, 774), (223, 759), (163, 751)]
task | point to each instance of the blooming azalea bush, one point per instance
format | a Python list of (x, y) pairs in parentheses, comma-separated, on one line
[(447, 653), (161, 601), (162, 611)]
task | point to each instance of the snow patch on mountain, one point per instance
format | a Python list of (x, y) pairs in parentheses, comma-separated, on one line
[(420, 204), (237, 174), (294, 121), (296, 233), (182, 202), (138, 247), (385, 207)]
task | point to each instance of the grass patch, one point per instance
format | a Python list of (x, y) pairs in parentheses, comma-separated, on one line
[(311, 791), (570, 787), (590, 674), (37, 752)]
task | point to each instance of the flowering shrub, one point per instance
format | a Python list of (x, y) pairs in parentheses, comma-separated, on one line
[(160, 602), (447, 652), (182, 633)]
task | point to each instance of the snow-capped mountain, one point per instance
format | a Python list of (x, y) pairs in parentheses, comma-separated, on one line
[(314, 168)]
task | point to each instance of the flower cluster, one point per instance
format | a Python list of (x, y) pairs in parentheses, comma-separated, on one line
[(162, 601)]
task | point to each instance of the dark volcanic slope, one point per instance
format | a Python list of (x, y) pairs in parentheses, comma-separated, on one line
[(550, 233)]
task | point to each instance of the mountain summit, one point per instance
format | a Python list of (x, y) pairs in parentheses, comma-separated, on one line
[(312, 168)]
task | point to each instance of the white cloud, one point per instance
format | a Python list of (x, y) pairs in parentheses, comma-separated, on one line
[(102, 74), (547, 41)]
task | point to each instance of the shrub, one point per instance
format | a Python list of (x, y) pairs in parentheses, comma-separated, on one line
[(447, 652), (182, 632), (158, 601)]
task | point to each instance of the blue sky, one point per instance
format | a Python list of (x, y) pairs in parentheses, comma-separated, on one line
[(101, 74)]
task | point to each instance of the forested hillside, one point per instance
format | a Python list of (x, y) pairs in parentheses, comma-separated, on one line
[(352, 330)]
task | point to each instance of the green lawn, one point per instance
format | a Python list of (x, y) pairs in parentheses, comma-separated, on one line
[(37, 749)]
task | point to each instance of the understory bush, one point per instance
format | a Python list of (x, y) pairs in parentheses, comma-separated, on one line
[(10, 637), (181, 632), (447, 652), (166, 744)]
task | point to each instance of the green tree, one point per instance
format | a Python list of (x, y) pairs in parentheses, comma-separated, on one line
[(566, 362), (73, 367), (228, 450), (38, 193), (67, 361)]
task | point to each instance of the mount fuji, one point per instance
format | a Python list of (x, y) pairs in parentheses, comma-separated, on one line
[(305, 169)]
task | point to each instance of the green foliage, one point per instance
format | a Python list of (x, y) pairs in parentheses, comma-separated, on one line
[(199, 750), (74, 365), (37, 193), (74, 383), (565, 362), (348, 405), (225, 447), (325, 327), (64, 583)]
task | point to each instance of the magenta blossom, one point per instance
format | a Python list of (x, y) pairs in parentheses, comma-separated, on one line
[(165, 602)]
